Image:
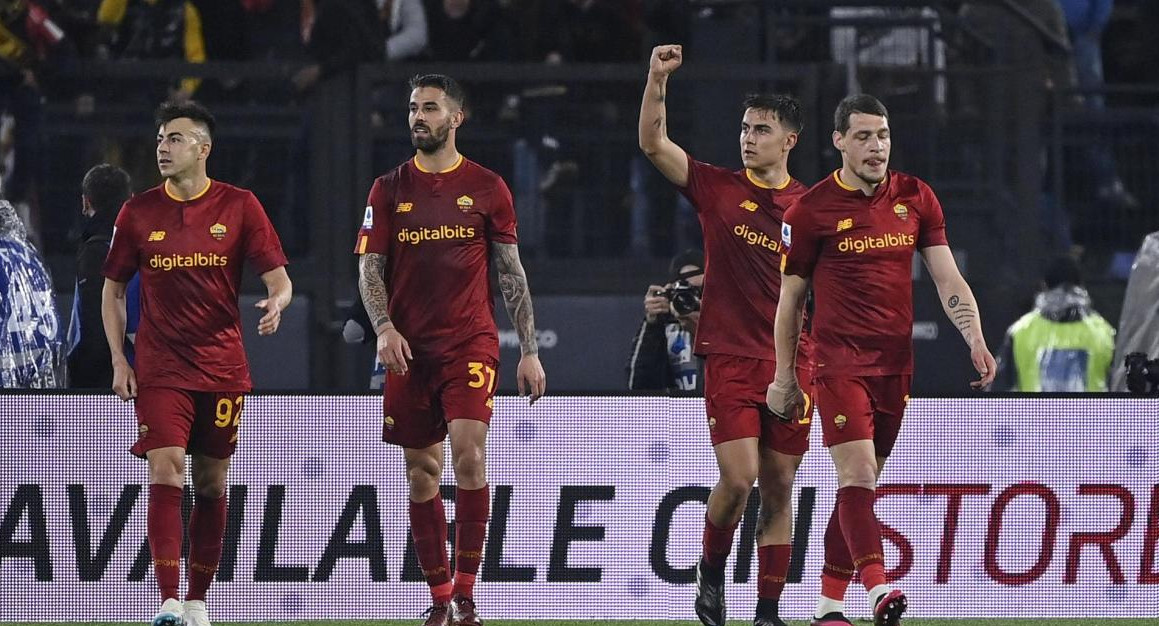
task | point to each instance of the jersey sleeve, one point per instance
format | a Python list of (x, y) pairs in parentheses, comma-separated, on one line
[(124, 249), (800, 240), (699, 189), (501, 216), (263, 248), (932, 229), (374, 234)]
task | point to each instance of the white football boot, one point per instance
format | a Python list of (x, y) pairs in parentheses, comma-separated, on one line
[(196, 614), (170, 614)]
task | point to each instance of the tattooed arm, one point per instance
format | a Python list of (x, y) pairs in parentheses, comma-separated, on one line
[(393, 349), (962, 309), (517, 299), (668, 157)]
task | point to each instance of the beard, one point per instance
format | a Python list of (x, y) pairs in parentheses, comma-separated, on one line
[(434, 140)]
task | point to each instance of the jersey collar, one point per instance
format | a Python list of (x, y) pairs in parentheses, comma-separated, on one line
[(753, 179), (168, 192), (458, 162)]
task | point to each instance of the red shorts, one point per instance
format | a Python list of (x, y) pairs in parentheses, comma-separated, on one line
[(417, 406), (866, 407), (734, 400), (201, 422)]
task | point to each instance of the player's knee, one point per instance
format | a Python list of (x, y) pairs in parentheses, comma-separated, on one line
[(166, 469), (424, 474), (470, 464), (860, 475), (212, 489), (735, 486), (777, 498)]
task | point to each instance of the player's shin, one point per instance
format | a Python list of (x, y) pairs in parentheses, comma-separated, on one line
[(472, 510), (163, 527), (428, 523), (862, 533), (206, 529)]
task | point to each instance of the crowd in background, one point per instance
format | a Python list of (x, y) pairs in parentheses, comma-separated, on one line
[(1082, 44)]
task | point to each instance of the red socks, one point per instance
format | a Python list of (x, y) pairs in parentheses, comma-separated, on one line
[(472, 509), (165, 532), (862, 533), (428, 526), (838, 568), (772, 569), (717, 543), (206, 529)]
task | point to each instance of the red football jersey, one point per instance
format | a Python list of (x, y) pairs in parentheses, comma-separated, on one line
[(190, 255), (741, 219), (436, 230), (859, 250)]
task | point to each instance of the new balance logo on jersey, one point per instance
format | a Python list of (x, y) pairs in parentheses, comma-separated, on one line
[(749, 205), (415, 236), (857, 245), (756, 238), (404, 207), (157, 235), (844, 224)]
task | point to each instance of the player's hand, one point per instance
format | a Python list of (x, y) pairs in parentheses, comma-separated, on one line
[(665, 59), (124, 380), (394, 351), (984, 363), (785, 399), (269, 323), (655, 304), (529, 377)]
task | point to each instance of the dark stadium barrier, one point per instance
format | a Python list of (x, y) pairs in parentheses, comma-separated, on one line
[(990, 508)]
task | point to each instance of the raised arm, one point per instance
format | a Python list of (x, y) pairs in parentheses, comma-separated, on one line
[(114, 316), (960, 306), (517, 299), (393, 349), (668, 157), (279, 291)]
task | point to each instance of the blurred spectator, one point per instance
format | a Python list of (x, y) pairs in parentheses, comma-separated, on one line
[(1139, 319), (405, 24), (104, 189), (31, 341), (156, 29), (1063, 344), (593, 31), (342, 34), (468, 30), (31, 44), (1086, 20), (661, 357)]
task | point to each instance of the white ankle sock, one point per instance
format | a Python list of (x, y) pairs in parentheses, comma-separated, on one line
[(876, 593), (828, 605)]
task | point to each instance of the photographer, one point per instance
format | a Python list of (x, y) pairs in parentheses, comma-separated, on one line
[(1063, 344), (661, 357)]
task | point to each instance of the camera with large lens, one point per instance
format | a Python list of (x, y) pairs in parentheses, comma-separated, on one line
[(685, 298), (1142, 374)]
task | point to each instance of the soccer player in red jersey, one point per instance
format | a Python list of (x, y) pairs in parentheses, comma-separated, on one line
[(853, 235), (432, 227), (188, 239), (740, 214)]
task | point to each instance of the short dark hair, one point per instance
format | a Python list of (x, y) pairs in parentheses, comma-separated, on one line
[(857, 103), (195, 111), (786, 108), (691, 256), (107, 187), (450, 86), (1063, 270)]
